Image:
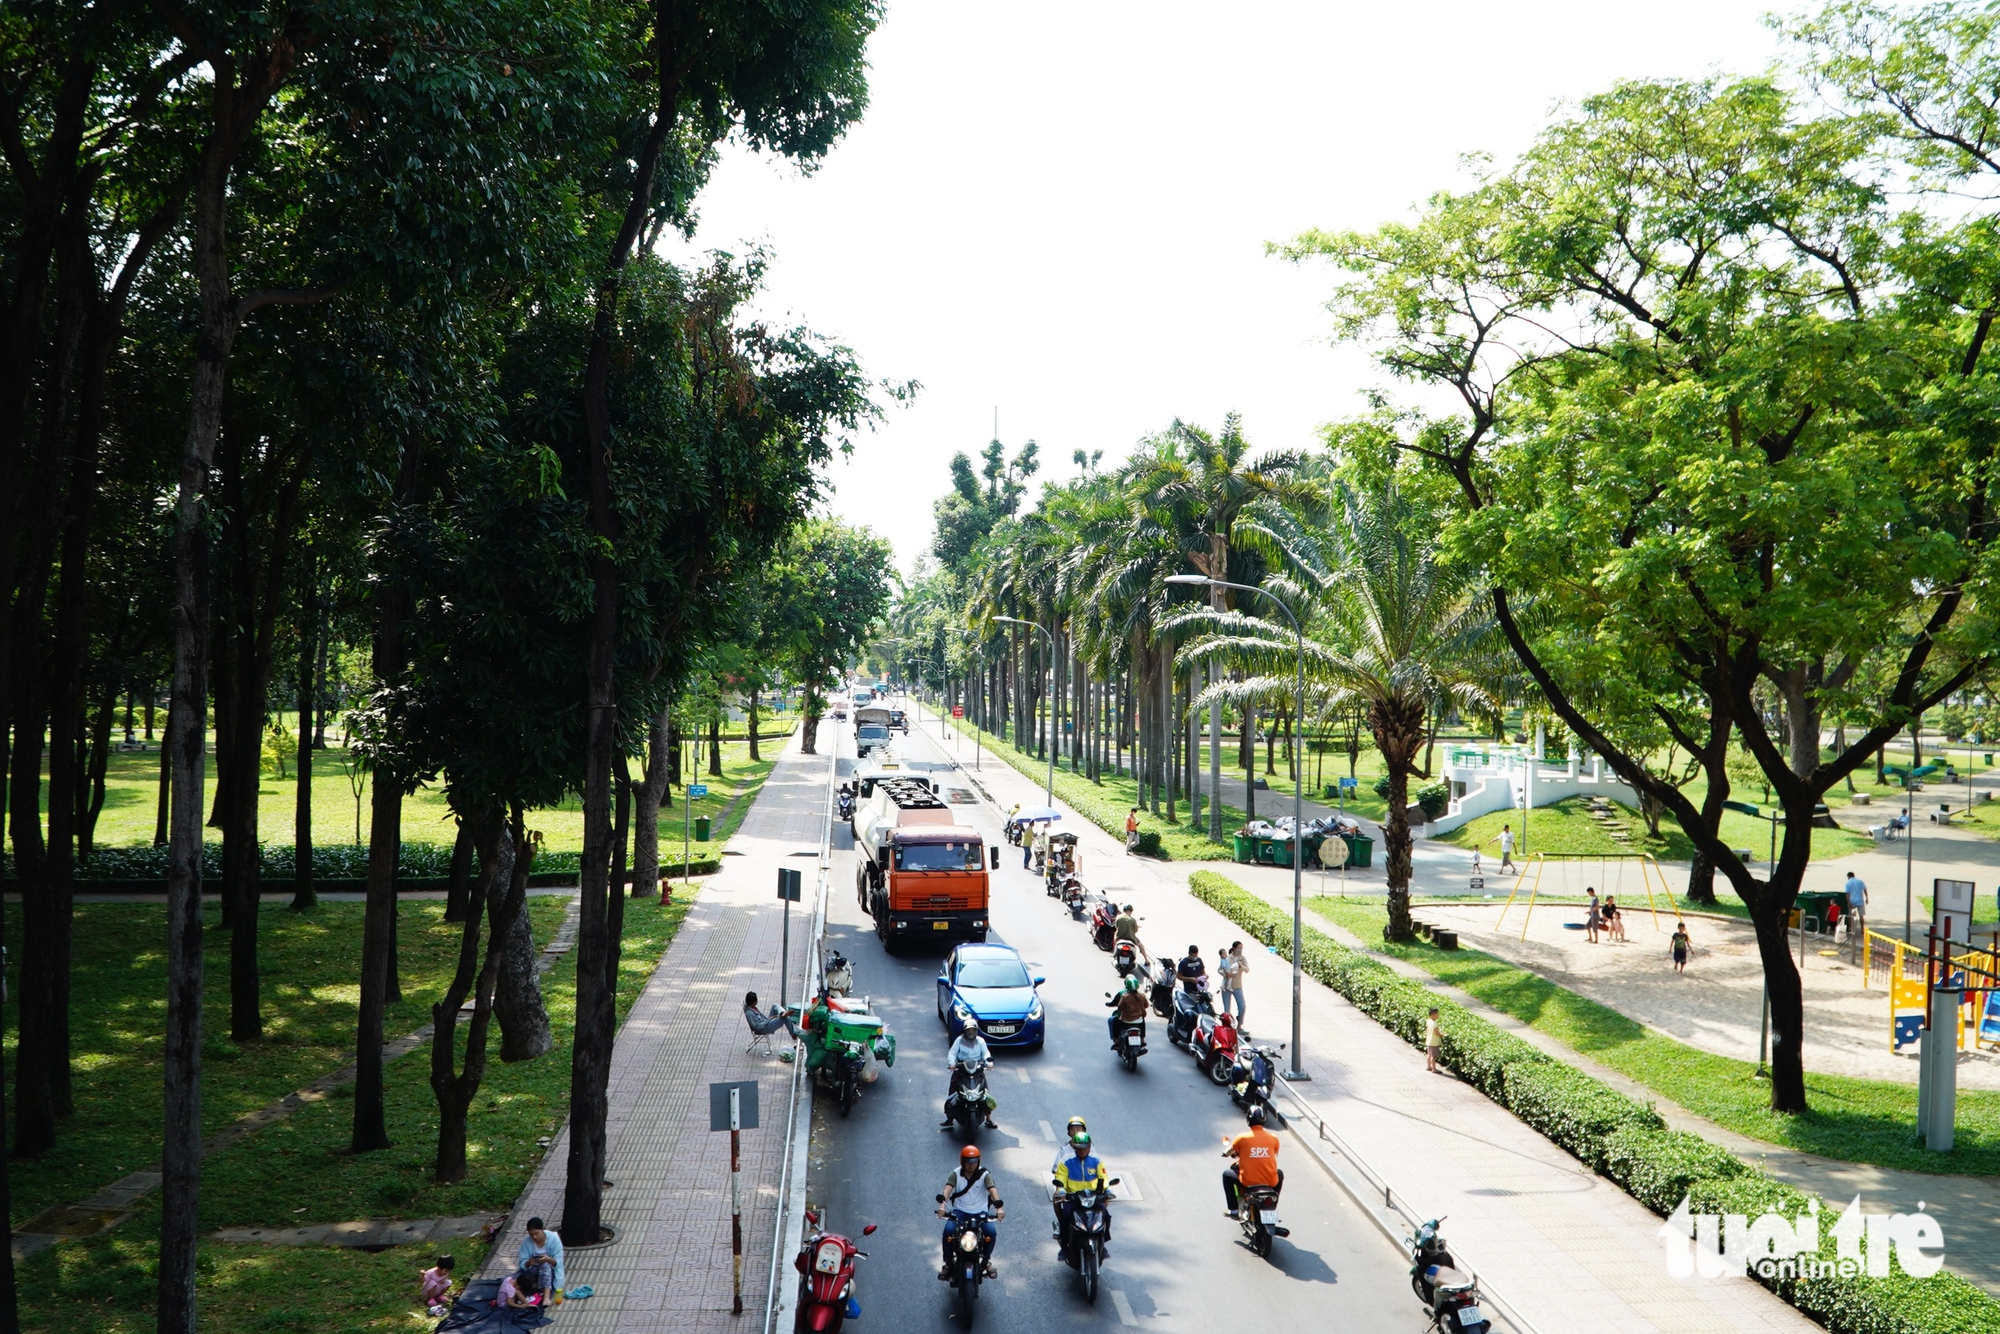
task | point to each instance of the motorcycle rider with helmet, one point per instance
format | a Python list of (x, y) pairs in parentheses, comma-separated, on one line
[(1256, 1155), (1128, 1007), (969, 1048), (971, 1182), (1080, 1171)]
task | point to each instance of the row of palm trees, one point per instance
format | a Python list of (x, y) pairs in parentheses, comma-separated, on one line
[(1390, 629)]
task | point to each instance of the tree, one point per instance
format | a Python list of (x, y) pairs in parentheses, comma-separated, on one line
[(830, 587), (1717, 420)]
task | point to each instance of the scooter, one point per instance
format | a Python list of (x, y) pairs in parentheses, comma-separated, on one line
[(842, 1073), (1073, 897), (1449, 1294), (1257, 1212), (839, 975), (1189, 1007), (966, 1269), (965, 1105), (826, 1279), (1253, 1077), (1089, 1233), (1213, 1047), (1129, 1038), (1125, 958), (1160, 990), (1104, 925), (845, 802)]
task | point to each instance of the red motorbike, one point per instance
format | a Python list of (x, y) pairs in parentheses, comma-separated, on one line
[(826, 1279), (1213, 1046), (1104, 924)]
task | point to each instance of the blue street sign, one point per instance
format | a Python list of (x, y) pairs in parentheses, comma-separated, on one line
[(697, 790)]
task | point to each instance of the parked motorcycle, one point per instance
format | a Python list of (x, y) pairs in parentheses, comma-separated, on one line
[(1448, 1293), (1089, 1233), (1258, 1214), (1160, 990), (846, 1063), (1213, 1047), (965, 1104), (839, 975), (1189, 1007), (1125, 958), (826, 1279), (1074, 898), (966, 1269), (1253, 1077), (1104, 925)]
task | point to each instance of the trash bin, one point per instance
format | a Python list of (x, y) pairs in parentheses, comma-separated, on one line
[(1813, 906), (1281, 852), (1244, 849), (701, 828), (1360, 850)]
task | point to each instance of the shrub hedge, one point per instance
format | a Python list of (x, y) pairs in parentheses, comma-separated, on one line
[(336, 861), (1617, 1137)]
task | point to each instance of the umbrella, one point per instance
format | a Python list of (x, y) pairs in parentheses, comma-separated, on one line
[(1036, 813)]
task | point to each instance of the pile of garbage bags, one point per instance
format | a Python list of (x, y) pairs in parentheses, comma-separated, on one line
[(1280, 830)]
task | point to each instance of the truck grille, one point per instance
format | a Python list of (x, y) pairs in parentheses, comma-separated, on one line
[(946, 901)]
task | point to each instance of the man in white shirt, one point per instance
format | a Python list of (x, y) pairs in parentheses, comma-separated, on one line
[(1506, 842)]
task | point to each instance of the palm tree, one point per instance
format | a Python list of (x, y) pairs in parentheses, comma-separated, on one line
[(1389, 628)]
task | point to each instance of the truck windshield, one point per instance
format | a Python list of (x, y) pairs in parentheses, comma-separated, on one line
[(938, 857), (873, 730)]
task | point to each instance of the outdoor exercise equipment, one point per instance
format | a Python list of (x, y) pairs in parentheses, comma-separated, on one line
[(1649, 869)]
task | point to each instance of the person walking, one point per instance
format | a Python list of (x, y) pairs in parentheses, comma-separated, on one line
[(1132, 831), (1433, 1041), (1681, 946), (1506, 842), (1857, 915), (1593, 921), (1230, 969)]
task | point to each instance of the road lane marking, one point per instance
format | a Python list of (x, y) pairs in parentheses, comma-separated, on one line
[(1125, 1316), (1023, 1074), (1048, 1131), (1128, 1190)]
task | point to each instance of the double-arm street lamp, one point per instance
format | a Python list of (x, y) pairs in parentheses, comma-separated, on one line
[(1015, 620), (1297, 1070)]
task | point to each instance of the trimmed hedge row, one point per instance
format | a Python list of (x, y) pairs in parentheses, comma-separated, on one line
[(331, 861), (1619, 1138)]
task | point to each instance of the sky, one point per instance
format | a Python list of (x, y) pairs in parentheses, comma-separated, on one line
[(1059, 211)]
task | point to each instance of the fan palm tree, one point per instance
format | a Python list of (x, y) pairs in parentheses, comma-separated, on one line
[(1389, 628)]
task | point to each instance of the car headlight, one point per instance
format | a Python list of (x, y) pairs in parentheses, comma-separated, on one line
[(1035, 1010), (964, 1015)]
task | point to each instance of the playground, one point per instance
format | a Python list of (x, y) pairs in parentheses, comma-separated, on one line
[(1717, 1004)]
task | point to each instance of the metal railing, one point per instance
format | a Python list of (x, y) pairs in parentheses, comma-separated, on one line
[(1391, 1201), (787, 1228)]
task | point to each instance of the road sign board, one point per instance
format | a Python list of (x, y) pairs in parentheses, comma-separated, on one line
[(788, 884), (697, 790), (718, 1104), (1348, 784), (1333, 853), (958, 710)]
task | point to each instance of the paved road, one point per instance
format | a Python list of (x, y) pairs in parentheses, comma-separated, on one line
[(1176, 1262)]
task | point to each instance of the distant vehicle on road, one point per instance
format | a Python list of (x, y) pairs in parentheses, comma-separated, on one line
[(871, 728), (899, 721), (988, 987), (921, 873)]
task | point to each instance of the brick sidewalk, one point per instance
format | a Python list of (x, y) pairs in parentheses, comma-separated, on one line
[(1566, 1248), (670, 1266)]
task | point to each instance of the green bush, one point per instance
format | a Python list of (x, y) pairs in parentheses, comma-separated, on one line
[(1382, 787), (1617, 1137), (331, 861), (1149, 845), (1434, 798)]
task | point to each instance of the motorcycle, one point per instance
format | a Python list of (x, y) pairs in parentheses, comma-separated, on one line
[(1074, 898), (1449, 1294), (1189, 1007), (1104, 925), (1130, 1041), (845, 802), (1089, 1232), (1253, 1077), (826, 1279), (965, 1104), (1258, 1214), (846, 1063), (966, 1269), (1213, 1047), (1125, 958), (839, 975), (1160, 991)]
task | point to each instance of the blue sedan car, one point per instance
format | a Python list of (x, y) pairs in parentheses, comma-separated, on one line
[(989, 986)]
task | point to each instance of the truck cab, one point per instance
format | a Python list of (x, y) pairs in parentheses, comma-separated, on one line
[(871, 728), (920, 874)]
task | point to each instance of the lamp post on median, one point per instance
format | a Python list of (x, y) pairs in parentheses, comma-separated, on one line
[(1015, 620), (1297, 1072)]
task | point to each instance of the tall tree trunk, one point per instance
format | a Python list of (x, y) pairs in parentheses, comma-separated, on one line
[(304, 897), (715, 745), (460, 902), (502, 899), (755, 754), (523, 1015), (1398, 725), (164, 792), (1249, 761), (646, 809)]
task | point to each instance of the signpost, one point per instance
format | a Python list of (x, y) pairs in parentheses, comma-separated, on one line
[(732, 1106), (788, 890), (694, 790), (1333, 852)]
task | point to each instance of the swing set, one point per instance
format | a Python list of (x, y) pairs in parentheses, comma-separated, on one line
[(1566, 862)]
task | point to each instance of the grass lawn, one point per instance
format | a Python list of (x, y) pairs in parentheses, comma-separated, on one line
[(1853, 1120), (1565, 827), (131, 801), (300, 1171)]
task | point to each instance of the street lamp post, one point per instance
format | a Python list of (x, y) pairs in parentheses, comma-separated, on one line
[(1015, 620), (1297, 1072)]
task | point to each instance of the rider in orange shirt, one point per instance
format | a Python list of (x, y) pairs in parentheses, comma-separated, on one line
[(1256, 1155)]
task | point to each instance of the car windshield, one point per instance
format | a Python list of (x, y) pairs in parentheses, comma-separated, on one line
[(992, 973), (938, 857)]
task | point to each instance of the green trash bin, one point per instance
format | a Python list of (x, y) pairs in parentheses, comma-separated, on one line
[(701, 828), (1360, 851), (1813, 906), (1243, 849), (1281, 852)]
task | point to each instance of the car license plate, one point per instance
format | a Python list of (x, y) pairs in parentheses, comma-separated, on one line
[(1002, 1030), (1131, 1039), (1267, 1215), (1469, 1316), (940, 926)]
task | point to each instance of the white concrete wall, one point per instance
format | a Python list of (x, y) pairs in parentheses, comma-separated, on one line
[(1496, 786)]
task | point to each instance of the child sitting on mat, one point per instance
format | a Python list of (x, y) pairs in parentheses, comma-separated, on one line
[(436, 1286)]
